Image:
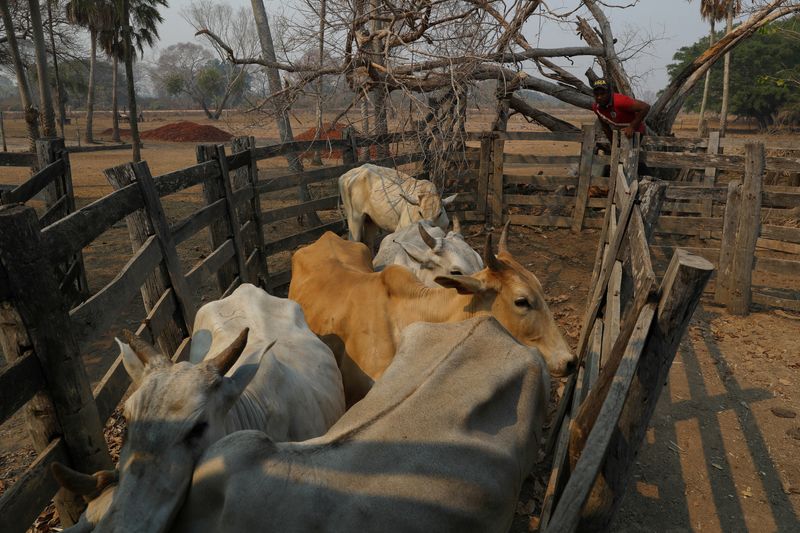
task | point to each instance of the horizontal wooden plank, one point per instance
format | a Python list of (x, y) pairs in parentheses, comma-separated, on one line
[(786, 267), (539, 199), (99, 310), (210, 264), (529, 136), (695, 192), (541, 181), (781, 233), (541, 220), (98, 148), (778, 246), (198, 220), (242, 195), (17, 159), (682, 207), (661, 143), (25, 499), (19, 381), (533, 159), (264, 152), (33, 185), (293, 241), (780, 199), (280, 279), (711, 254), (71, 233), (238, 160), (688, 225), (718, 161), (329, 202), (184, 178), (762, 298), (313, 176)]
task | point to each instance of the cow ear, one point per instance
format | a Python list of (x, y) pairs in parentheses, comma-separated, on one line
[(418, 254), (463, 284), (450, 199), (133, 365)]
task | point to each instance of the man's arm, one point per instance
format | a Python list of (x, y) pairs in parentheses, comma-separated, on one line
[(640, 110)]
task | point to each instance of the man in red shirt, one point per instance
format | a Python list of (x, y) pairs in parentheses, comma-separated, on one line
[(617, 111)]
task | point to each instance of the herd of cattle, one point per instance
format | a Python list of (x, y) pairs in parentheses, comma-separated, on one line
[(401, 393)]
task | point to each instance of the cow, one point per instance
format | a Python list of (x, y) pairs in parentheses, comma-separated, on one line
[(376, 198), (360, 313), (428, 252), (442, 443), (275, 376)]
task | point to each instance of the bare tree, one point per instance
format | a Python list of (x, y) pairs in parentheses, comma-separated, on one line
[(45, 98)]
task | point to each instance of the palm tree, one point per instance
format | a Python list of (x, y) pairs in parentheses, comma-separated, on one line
[(732, 7), (712, 11), (93, 15), (45, 97), (135, 26)]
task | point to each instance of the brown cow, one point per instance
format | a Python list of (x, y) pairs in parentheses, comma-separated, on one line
[(360, 313)]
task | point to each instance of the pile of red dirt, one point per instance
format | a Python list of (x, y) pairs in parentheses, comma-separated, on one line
[(183, 131)]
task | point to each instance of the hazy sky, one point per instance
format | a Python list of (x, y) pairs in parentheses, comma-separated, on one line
[(672, 23)]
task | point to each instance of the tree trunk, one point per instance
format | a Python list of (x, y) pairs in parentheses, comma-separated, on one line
[(379, 93), (45, 98), (31, 113), (322, 8), (89, 134), (62, 113), (115, 100), (275, 86), (726, 78), (132, 118), (703, 104)]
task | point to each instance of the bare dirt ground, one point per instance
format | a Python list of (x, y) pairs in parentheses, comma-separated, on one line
[(723, 452)]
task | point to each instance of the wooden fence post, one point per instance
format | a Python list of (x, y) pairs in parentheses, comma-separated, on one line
[(233, 220), (139, 229), (60, 197), (248, 177), (35, 294), (496, 189), (584, 177), (710, 173), (213, 190), (726, 248), (748, 229), (349, 152), (484, 175)]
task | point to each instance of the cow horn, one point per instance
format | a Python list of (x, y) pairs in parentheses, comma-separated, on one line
[(408, 198), (489, 258), (427, 238), (146, 353), (227, 357), (502, 246), (456, 225), (80, 483)]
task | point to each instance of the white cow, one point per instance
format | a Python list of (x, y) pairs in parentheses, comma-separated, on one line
[(428, 252), (290, 391), (441, 443), (384, 198)]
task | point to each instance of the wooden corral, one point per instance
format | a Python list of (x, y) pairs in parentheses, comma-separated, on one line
[(43, 329)]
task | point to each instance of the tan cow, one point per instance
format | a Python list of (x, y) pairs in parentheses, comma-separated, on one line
[(376, 198), (360, 313)]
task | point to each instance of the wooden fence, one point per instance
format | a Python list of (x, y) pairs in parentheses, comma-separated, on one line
[(570, 191), (629, 337), (42, 331)]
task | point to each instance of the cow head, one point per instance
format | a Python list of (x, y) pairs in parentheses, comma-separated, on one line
[(175, 413), (425, 204), (442, 255), (515, 297)]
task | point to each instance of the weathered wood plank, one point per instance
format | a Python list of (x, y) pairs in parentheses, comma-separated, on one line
[(555, 200), (219, 230), (233, 218), (584, 176), (155, 211), (101, 148), (184, 178), (531, 136), (33, 185), (611, 318), (777, 266), (780, 246), (595, 358), (781, 233), (484, 175), (25, 499), (55, 211), (19, 381), (710, 173), (293, 241), (495, 197), (694, 192), (543, 182), (688, 225), (747, 230), (730, 222), (186, 228), (280, 280), (533, 159), (17, 159), (211, 264), (70, 234), (98, 311), (238, 160), (770, 300), (721, 162), (541, 220), (293, 211)]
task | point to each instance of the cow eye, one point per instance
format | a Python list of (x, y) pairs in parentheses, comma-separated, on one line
[(523, 303), (196, 432)]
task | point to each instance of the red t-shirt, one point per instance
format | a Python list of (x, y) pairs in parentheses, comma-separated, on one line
[(619, 114)]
